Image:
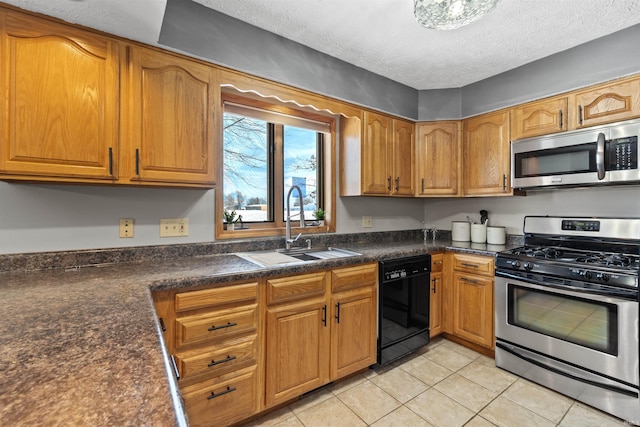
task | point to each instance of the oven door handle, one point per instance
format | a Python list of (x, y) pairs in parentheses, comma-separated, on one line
[(558, 371), (617, 295)]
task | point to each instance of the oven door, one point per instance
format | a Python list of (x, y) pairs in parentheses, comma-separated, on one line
[(596, 333)]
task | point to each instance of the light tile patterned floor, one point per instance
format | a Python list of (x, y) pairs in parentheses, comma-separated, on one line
[(446, 385)]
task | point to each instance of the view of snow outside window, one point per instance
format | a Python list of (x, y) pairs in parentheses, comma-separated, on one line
[(248, 176)]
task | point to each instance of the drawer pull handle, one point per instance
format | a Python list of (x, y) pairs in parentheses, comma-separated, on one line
[(226, 359), (466, 264), (228, 325), (214, 395), (475, 282), (437, 262)]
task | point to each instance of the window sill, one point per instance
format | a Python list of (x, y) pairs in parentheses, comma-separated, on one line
[(248, 231)]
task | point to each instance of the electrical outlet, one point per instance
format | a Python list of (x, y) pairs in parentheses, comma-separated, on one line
[(126, 227), (367, 222), (174, 227)]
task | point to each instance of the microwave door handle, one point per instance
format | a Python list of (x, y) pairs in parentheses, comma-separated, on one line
[(600, 156)]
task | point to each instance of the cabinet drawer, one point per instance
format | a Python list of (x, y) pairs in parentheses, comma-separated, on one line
[(217, 325), (214, 297), (296, 287), (216, 361), (473, 264), (354, 277), (437, 261), (222, 401)]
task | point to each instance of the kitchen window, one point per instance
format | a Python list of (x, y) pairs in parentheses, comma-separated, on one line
[(266, 150)]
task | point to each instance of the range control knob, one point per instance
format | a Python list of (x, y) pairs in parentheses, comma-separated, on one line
[(587, 274), (515, 264), (528, 266), (603, 277)]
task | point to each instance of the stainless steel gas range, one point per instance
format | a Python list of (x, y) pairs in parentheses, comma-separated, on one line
[(567, 310)]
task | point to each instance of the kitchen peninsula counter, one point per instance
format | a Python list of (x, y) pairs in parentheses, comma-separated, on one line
[(82, 345)]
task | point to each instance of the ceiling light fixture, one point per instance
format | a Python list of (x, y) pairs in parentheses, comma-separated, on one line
[(450, 14)]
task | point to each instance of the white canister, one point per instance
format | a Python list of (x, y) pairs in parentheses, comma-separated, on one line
[(478, 233), (496, 235), (460, 231)]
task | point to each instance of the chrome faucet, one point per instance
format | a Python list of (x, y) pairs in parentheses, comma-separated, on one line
[(288, 240)]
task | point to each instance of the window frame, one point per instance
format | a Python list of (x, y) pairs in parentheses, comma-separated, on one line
[(328, 174)]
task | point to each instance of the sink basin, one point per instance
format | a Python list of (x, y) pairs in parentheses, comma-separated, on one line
[(295, 256)]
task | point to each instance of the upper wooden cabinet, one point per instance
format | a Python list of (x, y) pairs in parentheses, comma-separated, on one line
[(81, 107), (59, 86), (171, 121), (539, 118), (376, 156), (614, 101), (486, 155), (437, 159), (604, 103)]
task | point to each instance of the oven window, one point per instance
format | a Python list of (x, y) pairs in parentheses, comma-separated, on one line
[(580, 321)]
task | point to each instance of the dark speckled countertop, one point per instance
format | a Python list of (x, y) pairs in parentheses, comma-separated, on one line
[(82, 346)]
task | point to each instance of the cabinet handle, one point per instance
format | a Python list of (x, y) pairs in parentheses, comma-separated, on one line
[(175, 367), (389, 183), (228, 325), (437, 262), (434, 285), (226, 359), (338, 312), (560, 119), (137, 161), (580, 115), (504, 182), (214, 395), (423, 185), (397, 183), (111, 161), (466, 264), (164, 328), (324, 315), (475, 282)]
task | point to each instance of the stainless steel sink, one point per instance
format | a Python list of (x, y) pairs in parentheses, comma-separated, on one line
[(295, 256)]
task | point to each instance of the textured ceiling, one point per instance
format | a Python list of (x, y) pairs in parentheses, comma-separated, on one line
[(382, 36)]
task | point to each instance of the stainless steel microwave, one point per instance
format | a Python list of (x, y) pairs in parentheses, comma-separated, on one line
[(598, 155)]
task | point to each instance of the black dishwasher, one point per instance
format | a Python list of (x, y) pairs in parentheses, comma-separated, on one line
[(403, 307)]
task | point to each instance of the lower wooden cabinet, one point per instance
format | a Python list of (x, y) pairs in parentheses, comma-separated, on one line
[(244, 347), (213, 337), (468, 306), (321, 328), (435, 297)]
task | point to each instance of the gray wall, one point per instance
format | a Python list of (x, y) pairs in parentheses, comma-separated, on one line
[(607, 58), (194, 29), (218, 38)]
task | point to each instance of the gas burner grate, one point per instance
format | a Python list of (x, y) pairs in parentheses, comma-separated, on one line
[(611, 260)]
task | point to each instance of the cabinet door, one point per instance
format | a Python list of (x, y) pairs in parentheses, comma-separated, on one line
[(376, 177), (473, 308), (539, 118), (60, 89), (353, 334), (171, 119), (402, 155), (437, 151), (607, 103), (486, 155), (297, 350)]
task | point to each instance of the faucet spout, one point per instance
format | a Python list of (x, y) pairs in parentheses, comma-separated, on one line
[(288, 239)]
